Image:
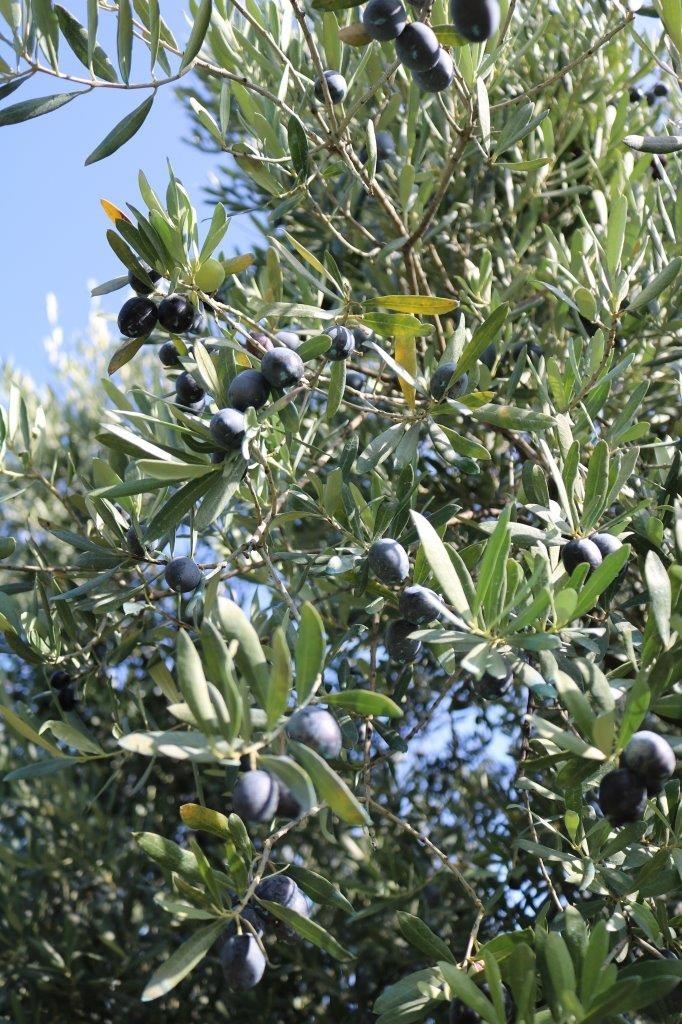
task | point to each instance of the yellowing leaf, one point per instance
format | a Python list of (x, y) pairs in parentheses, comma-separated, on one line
[(355, 34), (428, 305), (310, 259), (406, 356), (238, 263), (197, 817), (113, 212)]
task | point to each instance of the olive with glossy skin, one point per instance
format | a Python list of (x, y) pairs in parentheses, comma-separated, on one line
[(316, 728), (622, 797), (384, 19), (606, 543), (255, 796), (281, 367), (417, 47), (137, 317), (660, 89), (444, 383), (388, 561), (242, 961), (439, 77), (249, 389), (636, 95), (651, 758), (580, 550), (227, 428), (169, 355), (139, 286), (282, 889), (342, 344), (399, 645), (476, 20), (176, 314), (419, 604), (59, 679), (336, 84), (187, 391), (183, 575), (66, 698)]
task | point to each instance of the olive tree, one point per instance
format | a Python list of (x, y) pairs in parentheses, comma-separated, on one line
[(342, 633)]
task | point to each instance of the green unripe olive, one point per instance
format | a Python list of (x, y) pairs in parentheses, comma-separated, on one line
[(209, 276)]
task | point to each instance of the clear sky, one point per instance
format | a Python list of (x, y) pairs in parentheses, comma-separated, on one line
[(52, 227)]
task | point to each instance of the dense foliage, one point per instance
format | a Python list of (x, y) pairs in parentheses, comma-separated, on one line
[(446, 506)]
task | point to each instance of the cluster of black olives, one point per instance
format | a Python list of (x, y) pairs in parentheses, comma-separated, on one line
[(651, 95), (418, 605), (174, 313), (260, 796), (646, 763), (591, 550), (140, 315), (241, 955), (280, 367), (417, 45), (61, 681)]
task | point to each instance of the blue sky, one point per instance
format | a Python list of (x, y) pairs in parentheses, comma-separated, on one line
[(53, 227)]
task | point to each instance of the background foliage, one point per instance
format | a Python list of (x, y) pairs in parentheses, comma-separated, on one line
[(511, 214)]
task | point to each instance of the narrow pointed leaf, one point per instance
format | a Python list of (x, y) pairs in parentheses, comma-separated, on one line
[(441, 566), (201, 22), (122, 132), (330, 786), (280, 678), (182, 961), (364, 702), (124, 38), (24, 111)]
